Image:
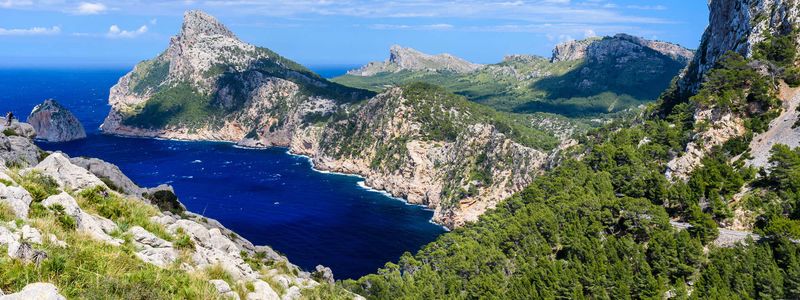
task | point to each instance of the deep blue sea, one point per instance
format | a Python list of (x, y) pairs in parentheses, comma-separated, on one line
[(268, 196)]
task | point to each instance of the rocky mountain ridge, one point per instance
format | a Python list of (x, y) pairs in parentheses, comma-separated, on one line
[(594, 76), (275, 102), (408, 59), (168, 237)]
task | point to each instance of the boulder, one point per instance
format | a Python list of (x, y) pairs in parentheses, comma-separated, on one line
[(68, 175), (19, 151), (323, 274), (163, 197), (152, 249), (262, 291), (17, 198), (31, 235), (38, 291), (224, 289), (55, 123), (293, 293), (97, 227), (17, 128), (112, 174)]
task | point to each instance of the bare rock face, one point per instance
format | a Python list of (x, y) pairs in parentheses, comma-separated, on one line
[(54, 123), (401, 59), (738, 25), (17, 198), (111, 173), (58, 166), (38, 291), (620, 45)]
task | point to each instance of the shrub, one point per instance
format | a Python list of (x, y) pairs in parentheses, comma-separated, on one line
[(40, 186), (6, 214)]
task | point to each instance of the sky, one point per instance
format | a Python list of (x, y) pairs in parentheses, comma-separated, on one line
[(95, 33)]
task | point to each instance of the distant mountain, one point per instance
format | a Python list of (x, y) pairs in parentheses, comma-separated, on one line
[(415, 141), (586, 77), (407, 59)]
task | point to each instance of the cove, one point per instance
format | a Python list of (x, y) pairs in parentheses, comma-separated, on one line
[(268, 196)]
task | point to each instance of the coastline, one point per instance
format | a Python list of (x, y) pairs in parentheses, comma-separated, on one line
[(361, 184)]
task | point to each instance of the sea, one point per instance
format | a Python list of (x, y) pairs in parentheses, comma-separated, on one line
[(268, 196)]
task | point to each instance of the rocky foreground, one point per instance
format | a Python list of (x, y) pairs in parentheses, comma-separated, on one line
[(53, 206)]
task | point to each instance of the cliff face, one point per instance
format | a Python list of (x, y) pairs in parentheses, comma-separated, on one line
[(738, 25), (407, 59), (54, 123), (459, 165), (618, 45)]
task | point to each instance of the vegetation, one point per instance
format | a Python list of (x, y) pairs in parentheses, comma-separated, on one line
[(40, 186), (599, 227), (527, 84)]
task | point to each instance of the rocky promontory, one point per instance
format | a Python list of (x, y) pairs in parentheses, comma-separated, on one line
[(55, 123), (417, 142)]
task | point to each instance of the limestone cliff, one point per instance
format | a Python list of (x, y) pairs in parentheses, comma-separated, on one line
[(55, 123), (740, 27), (599, 48)]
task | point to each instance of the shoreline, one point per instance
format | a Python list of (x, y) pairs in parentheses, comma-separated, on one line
[(361, 184)]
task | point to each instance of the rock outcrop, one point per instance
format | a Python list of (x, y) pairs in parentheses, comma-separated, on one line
[(55, 123), (38, 291), (408, 59), (620, 45), (738, 25)]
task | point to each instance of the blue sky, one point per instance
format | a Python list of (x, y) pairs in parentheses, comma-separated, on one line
[(332, 32)]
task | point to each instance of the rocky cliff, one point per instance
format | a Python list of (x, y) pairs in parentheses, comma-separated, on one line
[(737, 26), (601, 48), (408, 59), (54, 209), (753, 30), (55, 123), (437, 149)]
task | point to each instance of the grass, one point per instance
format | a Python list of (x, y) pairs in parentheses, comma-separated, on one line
[(126, 213), (93, 270), (39, 185), (6, 214)]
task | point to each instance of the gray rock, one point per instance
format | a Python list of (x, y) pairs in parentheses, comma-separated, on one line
[(323, 274), (112, 173), (293, 293), (153, 249), (262, 292), (97, 227), (18, 128), (55, 123), (17, 198), (68, 175), (31, 235), (224, 289), (401, 59), (18, 150), (36, 291)]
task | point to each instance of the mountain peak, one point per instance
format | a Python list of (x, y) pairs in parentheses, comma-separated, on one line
[(199, 23), (580, 49), (404, 58)]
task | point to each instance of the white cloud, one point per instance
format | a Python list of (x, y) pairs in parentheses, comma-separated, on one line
[(88, 8), (647, 7), (589, 33), (15, 3), (31, 31), (115, 32)]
